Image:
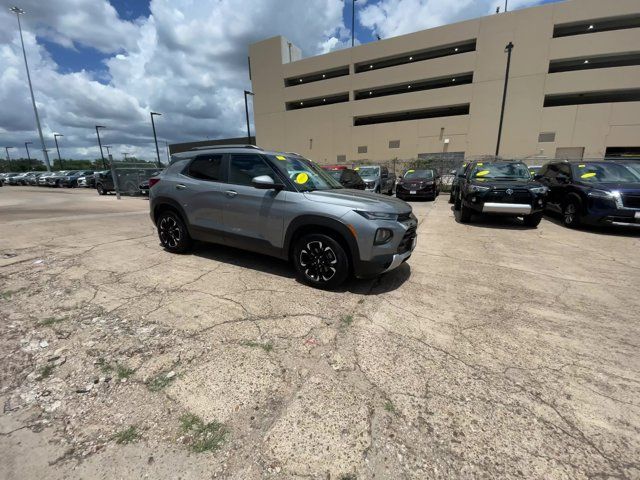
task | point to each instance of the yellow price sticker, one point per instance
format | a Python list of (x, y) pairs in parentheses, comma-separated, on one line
[(357, 168), (302, 178), (588, 175), (410, 171), (281, 157), (581, 166), (480, 164), (482, 173)]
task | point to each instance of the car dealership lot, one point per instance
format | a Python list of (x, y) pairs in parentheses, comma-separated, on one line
[(496, 350)]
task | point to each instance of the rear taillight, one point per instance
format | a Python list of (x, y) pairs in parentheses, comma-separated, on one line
[(153, 181)]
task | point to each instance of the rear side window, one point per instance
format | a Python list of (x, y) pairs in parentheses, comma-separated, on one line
[(243, 168), (206, 167)]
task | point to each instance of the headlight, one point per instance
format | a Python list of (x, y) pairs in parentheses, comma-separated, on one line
[(602, 194), (539, 190), (383, 235), (478, 188), (378, 215)]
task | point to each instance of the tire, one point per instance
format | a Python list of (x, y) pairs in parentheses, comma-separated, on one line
[(571, 213), (533, 220), (172, 232), (100, 189), (330, 267), (457, 203), (465, 214), (451, 200)]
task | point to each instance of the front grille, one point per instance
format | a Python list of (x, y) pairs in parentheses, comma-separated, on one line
[(631, 201), (407, 240), (499, 195)]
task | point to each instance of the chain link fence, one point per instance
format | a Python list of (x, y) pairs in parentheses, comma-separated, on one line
[(131, 179)]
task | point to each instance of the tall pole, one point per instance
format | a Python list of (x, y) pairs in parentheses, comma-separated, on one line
[(507, 49), (26, 145), (55, 139), (104, 164), (353, 22), (246, 112), (155, 138), (6, 149), (18, 12), (166, 144), (506, 3)]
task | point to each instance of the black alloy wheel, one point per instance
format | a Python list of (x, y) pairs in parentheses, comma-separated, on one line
[(320, 261), (173, 233), (571, 213), (100, 189)]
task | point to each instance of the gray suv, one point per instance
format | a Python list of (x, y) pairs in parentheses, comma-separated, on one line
[(376, 178), (283, 205)]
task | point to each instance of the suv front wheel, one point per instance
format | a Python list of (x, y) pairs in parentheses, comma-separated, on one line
[(173, 233), (320, 261)]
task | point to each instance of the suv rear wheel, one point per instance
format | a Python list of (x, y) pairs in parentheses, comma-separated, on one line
[(320, 261), (173, 233), (100, 189)]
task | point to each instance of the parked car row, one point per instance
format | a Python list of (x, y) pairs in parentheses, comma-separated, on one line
[(601, 192), (63, 178)]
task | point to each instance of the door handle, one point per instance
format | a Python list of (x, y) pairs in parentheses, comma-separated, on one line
[(181, 186), (231, 193)]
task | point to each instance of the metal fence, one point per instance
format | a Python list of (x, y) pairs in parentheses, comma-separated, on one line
[(129, 177)]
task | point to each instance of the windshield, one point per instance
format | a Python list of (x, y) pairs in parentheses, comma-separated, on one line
[(421, 174), (634, 167), (336, 174), (501, 171), (306, 175), (605, 172), (368, 171)]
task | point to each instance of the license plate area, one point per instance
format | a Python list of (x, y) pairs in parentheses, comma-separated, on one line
[(413, 192)]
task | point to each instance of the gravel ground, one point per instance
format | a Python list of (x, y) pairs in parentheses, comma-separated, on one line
[(497, 351)]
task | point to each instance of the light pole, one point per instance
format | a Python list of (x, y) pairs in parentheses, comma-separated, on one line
[(155, 138), (26, 145), (353, 22), (55, 139), (507, 49), (108, 147), (98, 127), (166, 144), (6, 149), (246, 112), (18, 12), (125, 155)]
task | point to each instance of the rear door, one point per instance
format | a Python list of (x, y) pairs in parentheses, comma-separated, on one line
[(253, 218), (549, 178), (199, 189)]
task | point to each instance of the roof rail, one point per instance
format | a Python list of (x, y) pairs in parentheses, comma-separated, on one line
[(212, 147)]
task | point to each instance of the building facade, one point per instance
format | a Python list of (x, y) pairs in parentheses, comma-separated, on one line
[(573, 89)]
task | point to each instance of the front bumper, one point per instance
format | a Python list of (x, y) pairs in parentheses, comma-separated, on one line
[(507, 208)]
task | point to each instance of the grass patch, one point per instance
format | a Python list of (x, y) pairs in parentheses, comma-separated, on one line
[(8, 294), (346, 321), (389, 406), (124, 372), (104, 366), (46, 371), (348, 476), (361, 301), (267, 347), (160, 381), (128, 435), (47, 322), (204, 437)]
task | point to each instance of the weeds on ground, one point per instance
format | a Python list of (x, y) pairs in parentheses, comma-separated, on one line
[(123, 372), (104, 367), (267, 347), (348, 476), (204, 437), (128, 435), (346, 321), (8, 294), (47, 322), (160, 381), (46, 371), (361, 301), (389, 406)]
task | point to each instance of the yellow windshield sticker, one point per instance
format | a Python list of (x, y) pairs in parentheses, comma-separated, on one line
[(302, 178), (588, 175), (581, 166), (357, 168), (480, 164), (410, 171), (482, 173), (281, 157)]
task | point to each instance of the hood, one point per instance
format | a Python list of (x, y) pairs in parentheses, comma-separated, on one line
[(369, 179), (622, 187), (359, 200), (489, 182)]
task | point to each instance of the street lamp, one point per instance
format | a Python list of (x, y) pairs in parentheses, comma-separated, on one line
[(6, 149), (108, 147), (55, 139), (26, 145), (353, 22), (18, 12), (125, 155), (155, 138), (98, 127), (246, 112), (507, 49)]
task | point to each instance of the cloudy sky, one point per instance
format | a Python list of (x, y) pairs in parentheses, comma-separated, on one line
[(110, 62)]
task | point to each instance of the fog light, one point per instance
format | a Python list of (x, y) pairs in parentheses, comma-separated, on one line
[(383, 235), (540, 202), (473, 199)]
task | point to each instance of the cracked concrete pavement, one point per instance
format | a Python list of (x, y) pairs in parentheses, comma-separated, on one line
[(498, 351)]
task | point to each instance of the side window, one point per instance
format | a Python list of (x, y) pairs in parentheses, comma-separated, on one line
[(565, 169), (243, 168), (385, 171), (552, 171), (206, 167)]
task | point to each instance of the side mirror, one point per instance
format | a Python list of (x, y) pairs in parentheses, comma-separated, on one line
[(462, 175), (265, 182)]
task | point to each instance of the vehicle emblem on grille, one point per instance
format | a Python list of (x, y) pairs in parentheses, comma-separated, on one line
[(509, 191)]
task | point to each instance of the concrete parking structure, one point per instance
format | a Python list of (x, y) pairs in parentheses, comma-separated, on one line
[(496, 351)]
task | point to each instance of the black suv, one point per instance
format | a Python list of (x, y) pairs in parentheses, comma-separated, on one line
[(502, 188), (601, 192)]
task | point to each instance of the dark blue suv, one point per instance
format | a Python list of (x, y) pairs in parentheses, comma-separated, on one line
[(603, 192)]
